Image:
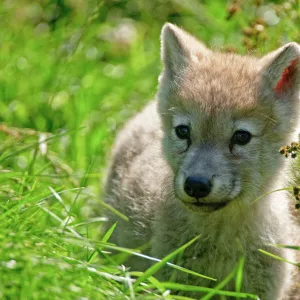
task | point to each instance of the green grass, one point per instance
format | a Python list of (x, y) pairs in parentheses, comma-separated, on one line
[(69, 78)]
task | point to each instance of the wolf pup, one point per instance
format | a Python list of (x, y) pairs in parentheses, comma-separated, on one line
[(194, 161)]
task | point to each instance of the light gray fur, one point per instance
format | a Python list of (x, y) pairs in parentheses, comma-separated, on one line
[(215, 94)]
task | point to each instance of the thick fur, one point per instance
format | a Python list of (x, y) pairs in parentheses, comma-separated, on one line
[(215, 94)]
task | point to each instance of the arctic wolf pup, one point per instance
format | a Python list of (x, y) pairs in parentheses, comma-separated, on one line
[(193, 162)]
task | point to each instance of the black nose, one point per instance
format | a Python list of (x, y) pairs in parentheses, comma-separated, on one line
[(197, 187)]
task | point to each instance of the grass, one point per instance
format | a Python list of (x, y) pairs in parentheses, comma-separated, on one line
[(71, 73)]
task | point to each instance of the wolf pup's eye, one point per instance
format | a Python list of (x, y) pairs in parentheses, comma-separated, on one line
[(183, 132), (241, 137)]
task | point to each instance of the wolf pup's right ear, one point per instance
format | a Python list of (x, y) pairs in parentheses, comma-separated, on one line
[(281, 72), (178, 49)]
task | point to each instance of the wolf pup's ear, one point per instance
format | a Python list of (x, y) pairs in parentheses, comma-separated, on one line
[(178, 49), (281, 74)]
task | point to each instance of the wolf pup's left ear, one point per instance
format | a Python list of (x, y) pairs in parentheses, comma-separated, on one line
[(178, 49), (281, 74)]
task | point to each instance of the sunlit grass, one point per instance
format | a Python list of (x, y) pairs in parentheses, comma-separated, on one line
[(66, 87)]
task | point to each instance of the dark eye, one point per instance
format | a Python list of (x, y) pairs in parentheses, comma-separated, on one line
[(241, 137), (183, 132)]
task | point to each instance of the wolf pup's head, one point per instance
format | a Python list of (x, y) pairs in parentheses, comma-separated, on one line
[(224, 118)]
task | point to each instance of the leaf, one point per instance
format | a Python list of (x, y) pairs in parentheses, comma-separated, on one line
[(109, 233)]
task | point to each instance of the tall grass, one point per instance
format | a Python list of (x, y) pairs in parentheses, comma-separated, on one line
[(71, 73)]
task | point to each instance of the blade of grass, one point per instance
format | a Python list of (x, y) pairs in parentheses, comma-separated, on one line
[(156, 267), (268, 193), (192, 288), (178, 260), (115, 211), (90, 221), (130, 287), (59, 199), (91, 257), (221, 285), (239, 274), (287, 246), (59, 220), (82, 184), (278, 257), (182, 269), (53, 137), (151, 279), (109, 233), (33, 160), (181, 297)]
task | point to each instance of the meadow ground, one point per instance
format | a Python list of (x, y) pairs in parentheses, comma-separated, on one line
[(71, 73)]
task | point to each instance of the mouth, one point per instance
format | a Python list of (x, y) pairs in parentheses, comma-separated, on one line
[(206, 206)]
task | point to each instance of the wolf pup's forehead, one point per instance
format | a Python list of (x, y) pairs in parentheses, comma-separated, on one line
[(220, 82)]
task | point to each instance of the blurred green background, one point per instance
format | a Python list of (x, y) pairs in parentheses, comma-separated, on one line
[(71, 73)]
